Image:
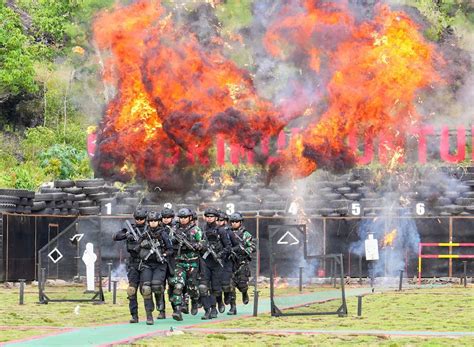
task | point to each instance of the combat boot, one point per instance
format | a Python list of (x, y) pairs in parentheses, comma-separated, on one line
[(177, 313), (233, 308), (149, 318), (213, 312), (185, 308), (220, 305), (207, 314), (134, 318), (161, 315), (194, 308), (245, 297), (226, 298)]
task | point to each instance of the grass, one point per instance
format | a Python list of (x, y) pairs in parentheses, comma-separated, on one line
[(232, 339), (433, 309)]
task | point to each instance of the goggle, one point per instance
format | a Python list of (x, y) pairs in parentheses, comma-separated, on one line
[(140, 218), (235, 221), (153, 220)]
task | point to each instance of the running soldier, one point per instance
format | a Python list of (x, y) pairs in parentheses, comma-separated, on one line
[(133, 248), (227, 271), (241, 255), (217, 247), (187, 241), (167, 216), (155, 248)]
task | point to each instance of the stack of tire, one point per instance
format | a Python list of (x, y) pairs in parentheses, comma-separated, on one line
[(16, 200), (68, 197)]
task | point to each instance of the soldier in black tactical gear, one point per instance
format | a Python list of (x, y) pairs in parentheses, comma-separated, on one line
[(187, 242), (155, 249), (228, 270), (167, 216), (241, 255), (133, 248), (217, 247)]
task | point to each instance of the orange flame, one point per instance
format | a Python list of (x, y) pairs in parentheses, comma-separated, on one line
[(389, 238)]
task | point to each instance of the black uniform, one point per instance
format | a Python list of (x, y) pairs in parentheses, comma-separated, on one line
[(228, 269), (211, 270), (133, 271), (153, 274)]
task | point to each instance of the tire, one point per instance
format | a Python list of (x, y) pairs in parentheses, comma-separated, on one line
[(91, 210), (50, 190), (64, 183), (344, 190), (73, 190), (92, 190), (80, 197), (5, 207), (98, 182), (85, 203), (266, 213), (59, 196), (38, 206), (7, 199), (26, 202), (43, 197), (123, 209), (21, 193), (98, 196), (130, 201)]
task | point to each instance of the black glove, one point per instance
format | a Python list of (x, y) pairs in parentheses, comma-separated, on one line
[(130, 237), (145, 244)]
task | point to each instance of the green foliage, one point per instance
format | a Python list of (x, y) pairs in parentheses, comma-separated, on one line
[(62, 161), (16, 58)]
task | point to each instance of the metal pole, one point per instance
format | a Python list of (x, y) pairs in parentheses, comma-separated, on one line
[(255, 303), (114, 293), (465, 273), (110, 276), (360, 269), (401, 281), (359, 305), (301, 279), (22, 292)]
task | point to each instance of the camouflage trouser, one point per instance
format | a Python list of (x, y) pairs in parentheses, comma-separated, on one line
[(186, 278)]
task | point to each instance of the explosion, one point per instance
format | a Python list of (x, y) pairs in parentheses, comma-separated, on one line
[(389, 238), (176, 92)]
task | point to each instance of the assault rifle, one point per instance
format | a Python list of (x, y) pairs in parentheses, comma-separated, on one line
[(131, 231), (155, 248), (237, 257), (210, 250), (182, 240)]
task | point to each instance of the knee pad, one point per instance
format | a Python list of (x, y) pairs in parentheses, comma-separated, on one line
[(226, 289), (178, 289), (131, 292), (146, 291), (216, 293), (242, 286), (203, 289)]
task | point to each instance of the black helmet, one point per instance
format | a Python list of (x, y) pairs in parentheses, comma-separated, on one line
[(167, 213), (211, 212), (185, 212), (223, 215), (153, 215), (140, 213), (195, 215), (236, 217)]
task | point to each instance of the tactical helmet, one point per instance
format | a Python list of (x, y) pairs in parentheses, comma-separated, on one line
[(140, 213), (195, 215), (185, 212), (223, 215), (167, 213), (153, 215), (236, 217), (211, 212)]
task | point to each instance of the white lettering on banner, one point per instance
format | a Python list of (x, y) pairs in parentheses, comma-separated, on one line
[(77, 237), (55, 255)]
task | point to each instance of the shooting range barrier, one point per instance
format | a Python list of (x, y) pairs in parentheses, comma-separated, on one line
[(443, 256)]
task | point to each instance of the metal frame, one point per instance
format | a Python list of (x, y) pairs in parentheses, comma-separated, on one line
[(337, 260), (98, 296)]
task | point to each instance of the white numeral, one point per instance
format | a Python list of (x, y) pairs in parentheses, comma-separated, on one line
[(420, 208), (230, 208), (355, 209), (108, 206), (293, 209), (168, 205)]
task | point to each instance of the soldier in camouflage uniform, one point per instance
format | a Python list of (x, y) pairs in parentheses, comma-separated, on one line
[(187, 262), (241, 255), (133, 248)]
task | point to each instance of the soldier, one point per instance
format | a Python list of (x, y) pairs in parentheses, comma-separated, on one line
[(155, 248), (187, 240), (216, 249), (227, 271), (167, 216), (241, 252), (133, 248)]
